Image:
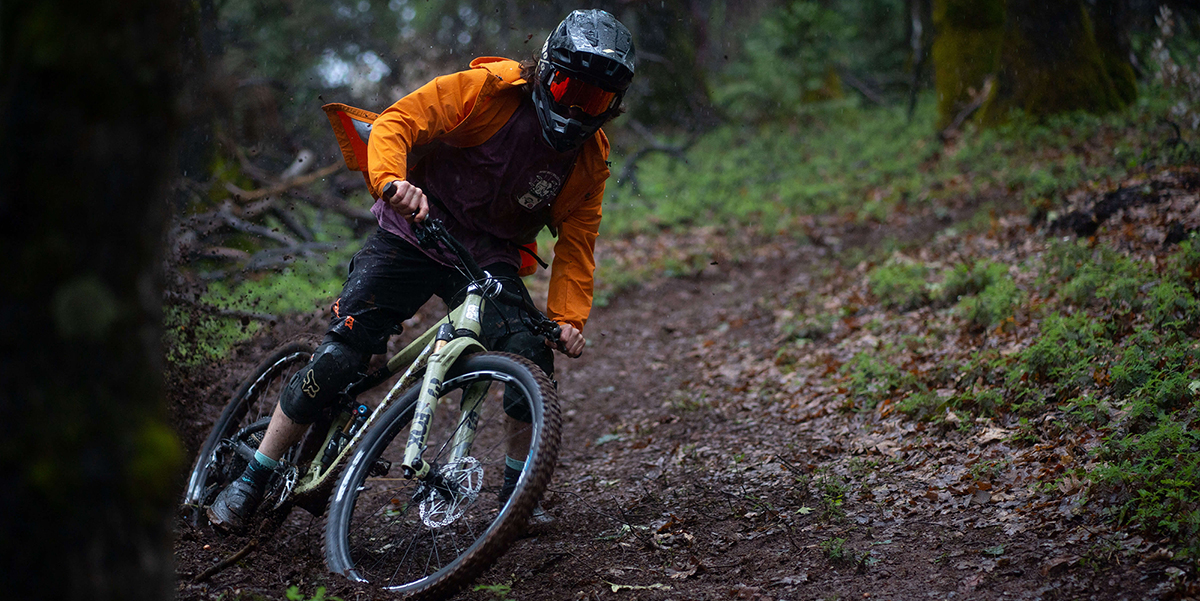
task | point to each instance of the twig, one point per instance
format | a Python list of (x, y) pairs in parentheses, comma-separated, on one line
[(629, 171), (861, 86), (225, 563)]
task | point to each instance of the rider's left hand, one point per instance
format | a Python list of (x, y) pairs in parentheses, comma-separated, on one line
[(572, 341)]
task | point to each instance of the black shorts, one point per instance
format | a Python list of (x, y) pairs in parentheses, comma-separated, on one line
[(390, 279)]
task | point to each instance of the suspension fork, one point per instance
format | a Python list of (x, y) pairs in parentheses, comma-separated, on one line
[(448, 347)]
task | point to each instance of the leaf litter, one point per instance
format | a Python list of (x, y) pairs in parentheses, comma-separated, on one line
[(715, 450)]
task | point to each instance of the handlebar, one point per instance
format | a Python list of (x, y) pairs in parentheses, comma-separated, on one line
[(430, 233)]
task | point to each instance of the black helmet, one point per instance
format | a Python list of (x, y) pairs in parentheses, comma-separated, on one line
[(586, 64)]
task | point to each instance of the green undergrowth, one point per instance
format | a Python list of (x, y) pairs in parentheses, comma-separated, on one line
[(194, 336), (868, 162), (1116, 349)]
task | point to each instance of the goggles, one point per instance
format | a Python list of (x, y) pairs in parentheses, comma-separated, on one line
[(570, 91)]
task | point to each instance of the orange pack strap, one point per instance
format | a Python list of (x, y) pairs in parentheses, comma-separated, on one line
[(352, 127)]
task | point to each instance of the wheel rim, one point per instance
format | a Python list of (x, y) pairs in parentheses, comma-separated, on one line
[(256, 403), (402, 534)]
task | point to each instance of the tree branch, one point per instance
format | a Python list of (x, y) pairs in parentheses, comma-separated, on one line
[(248, 195), (977, 101)]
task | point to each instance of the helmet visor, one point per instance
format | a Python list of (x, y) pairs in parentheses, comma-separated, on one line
[(571, 91)]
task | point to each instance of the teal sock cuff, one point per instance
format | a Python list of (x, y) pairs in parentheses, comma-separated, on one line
[(265, 461), (514, 463)]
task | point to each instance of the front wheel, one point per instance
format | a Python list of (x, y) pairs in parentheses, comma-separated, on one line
[(430, 537)]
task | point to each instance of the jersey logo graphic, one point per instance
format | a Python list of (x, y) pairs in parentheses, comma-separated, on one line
[(543, 188), (310, 386)]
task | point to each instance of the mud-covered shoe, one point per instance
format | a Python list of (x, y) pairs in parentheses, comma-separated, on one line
[(540, 517), (234, 505)]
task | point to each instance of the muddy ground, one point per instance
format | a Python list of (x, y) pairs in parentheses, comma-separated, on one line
[(682, 476)]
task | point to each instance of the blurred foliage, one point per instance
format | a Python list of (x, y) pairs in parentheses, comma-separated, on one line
[(793, 56), (796, 139)]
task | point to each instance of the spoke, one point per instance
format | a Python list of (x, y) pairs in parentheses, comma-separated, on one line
[(404, 560)]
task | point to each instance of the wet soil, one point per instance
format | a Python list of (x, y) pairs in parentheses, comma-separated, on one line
[(682, 477)]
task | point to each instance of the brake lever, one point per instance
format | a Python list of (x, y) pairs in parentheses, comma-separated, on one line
[(555, 338), (428, 233)]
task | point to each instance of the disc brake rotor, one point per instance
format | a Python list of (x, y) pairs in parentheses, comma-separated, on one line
[(464, 477)]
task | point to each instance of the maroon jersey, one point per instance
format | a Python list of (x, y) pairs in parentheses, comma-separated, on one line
[(491, 197)]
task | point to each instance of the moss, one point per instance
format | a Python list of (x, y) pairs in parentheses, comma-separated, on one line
[(965, 51), (1052, 64)]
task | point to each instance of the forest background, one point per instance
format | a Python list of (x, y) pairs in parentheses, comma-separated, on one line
[(806, 119)]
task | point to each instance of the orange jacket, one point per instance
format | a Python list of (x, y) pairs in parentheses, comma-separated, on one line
[(465, 109)]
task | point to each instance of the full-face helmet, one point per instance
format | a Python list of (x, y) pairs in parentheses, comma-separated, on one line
[(586, 65)]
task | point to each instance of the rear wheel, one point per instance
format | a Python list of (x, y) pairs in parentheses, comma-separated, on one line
[(242, 424), (430, 537)]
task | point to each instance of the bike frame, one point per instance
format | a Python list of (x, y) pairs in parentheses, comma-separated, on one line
[(435, 355)]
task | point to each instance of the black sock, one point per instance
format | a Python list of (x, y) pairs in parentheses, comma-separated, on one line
[(256, 474), (511, 475)]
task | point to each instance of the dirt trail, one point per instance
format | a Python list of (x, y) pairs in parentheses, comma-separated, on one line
[(682, 477)]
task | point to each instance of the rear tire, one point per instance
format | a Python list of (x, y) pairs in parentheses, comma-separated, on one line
[(252, 404), (377, 531)]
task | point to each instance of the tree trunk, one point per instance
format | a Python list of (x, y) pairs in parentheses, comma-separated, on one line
[(89, 467), (1111, 19), (1048, 55), (966, 49), (1051, 63)]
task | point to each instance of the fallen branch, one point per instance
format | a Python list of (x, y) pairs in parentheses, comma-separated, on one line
[(977, 101), (277, 189), (224, 253), (629, 171), (242, 225), (225, 563), (272, 258)]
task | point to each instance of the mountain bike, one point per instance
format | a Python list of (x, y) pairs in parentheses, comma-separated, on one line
[(417, 514)]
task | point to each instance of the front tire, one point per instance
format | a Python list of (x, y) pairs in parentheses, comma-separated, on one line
[(397, 534)]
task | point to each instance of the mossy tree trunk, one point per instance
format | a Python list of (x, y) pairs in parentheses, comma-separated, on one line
[(89, 468), (1051, 63), (966, 50), (1048, 56), (1111, 19)]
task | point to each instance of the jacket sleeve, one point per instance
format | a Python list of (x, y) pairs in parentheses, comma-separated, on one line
[(427, 114), (572, 274)]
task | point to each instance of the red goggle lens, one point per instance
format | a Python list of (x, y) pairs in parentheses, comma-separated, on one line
[(572, 92)]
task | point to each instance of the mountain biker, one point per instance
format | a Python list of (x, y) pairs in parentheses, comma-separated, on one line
[(496, 153)]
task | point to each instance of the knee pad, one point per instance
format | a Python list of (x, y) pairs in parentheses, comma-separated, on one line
[(532, 347), (333, 367)]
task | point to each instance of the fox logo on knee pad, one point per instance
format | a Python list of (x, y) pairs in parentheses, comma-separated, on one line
[(310, 386)]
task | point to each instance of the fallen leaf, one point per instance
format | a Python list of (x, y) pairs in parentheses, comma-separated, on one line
[(800, 578), (637, 587)]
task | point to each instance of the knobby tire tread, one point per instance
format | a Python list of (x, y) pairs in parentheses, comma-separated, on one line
[(233, 412), (500, 538)]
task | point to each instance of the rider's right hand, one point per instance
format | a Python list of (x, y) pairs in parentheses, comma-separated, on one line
[(407, 200), (571, 341)]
